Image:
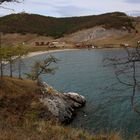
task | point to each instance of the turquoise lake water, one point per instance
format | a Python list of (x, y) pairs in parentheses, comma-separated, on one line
[(108, 105)]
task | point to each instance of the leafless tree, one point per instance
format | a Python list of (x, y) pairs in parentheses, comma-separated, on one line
[(4, 1), (127, 71)]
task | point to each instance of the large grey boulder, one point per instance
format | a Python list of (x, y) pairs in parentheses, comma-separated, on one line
[(62, 106)]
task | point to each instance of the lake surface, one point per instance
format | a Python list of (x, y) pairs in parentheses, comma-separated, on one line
[(108, 105)]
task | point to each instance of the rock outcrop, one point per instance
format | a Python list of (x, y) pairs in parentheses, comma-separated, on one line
[(62, 106)]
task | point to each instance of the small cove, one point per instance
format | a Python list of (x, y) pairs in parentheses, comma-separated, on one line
[(108, 105)]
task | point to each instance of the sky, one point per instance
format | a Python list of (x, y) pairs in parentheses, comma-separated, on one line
[(68, 8)]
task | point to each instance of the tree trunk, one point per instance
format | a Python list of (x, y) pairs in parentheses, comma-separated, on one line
[(1, 69), (1, 65), (11, 68), (19, 69)]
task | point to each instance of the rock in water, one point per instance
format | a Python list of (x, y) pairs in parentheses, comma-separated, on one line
[(77, 100), (61, 105)]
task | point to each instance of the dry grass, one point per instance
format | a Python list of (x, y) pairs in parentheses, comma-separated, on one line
[(16, 97), (16, 86), (46, 130)]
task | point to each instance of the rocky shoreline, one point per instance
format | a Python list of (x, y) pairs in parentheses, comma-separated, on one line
[(61, 106)]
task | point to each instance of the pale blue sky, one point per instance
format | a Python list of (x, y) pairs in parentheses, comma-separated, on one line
[(64, 8)]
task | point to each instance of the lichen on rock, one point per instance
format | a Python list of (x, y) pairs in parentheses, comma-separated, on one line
[(63, 106)]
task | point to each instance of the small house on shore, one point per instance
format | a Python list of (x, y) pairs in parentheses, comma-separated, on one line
[(124, 45)]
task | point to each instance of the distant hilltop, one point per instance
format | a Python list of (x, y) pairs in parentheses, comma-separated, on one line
[(24, 23)]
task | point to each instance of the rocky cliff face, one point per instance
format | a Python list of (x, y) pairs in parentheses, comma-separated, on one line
[(62, 106)]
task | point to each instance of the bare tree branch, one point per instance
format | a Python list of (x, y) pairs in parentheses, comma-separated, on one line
[(128, 66), (7, 8), (2, 1)]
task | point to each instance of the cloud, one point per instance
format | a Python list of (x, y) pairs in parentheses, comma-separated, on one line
[(63, 8), (133, 1), (71, 10), (133, 13)]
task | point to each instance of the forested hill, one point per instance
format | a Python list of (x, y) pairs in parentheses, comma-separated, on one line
[(57, 27)]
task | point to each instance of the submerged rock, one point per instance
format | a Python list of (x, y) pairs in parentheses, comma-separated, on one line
[(62, 105)]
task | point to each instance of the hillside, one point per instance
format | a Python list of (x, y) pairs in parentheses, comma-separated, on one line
[(19, 116), (103, 38), (58, 27)]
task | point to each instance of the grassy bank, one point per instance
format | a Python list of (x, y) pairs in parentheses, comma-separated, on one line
[(46, 130)]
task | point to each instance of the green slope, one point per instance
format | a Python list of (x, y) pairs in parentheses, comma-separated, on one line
[(58, 27)]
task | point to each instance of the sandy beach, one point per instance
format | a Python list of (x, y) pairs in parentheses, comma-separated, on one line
[(32, 54), (46, 52)]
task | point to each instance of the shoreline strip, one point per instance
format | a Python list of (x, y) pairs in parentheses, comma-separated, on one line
[(32, 54)]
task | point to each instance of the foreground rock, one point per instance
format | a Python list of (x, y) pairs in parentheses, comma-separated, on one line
[(62, 106)]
